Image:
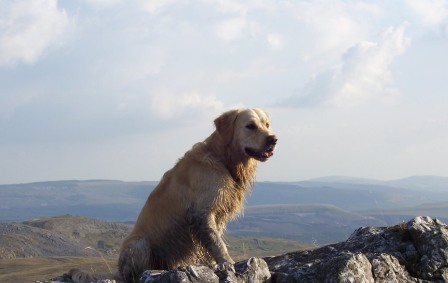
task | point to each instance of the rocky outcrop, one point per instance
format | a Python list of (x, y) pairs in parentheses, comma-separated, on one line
[(254, 270), (416, 251)]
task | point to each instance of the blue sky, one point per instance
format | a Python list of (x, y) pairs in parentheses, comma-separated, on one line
[(117, 89)]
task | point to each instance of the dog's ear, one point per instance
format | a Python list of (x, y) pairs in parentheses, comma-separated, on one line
[(225, 125)]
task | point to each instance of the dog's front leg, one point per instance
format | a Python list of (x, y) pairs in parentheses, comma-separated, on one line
[(205, 229)]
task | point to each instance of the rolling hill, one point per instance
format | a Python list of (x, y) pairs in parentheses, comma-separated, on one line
[(61, 236), (321, 210)]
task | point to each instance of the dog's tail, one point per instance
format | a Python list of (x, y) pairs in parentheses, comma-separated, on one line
[(80, 276)]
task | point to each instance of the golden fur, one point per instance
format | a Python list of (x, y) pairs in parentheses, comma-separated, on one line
[(184, 218)]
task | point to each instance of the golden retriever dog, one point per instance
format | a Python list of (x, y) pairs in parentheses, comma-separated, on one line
[(184, 218)]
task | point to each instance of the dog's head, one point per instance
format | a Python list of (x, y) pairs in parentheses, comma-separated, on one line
[(247, 131)]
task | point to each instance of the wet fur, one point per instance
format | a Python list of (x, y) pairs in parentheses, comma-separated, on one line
[(184, 218)]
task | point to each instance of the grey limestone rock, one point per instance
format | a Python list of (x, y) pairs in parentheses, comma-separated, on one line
[(416, 251), (254, 270)]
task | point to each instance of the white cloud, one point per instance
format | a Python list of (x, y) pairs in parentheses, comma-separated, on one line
[(156, 6), (166, 105), (364, 74), (29, 27), (275, 40), (337, 24), (237, 24), (430, 12), (231, 7), (103, 3), (232, 29)]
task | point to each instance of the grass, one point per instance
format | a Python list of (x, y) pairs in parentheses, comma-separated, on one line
[(241, 248), (45, 268)]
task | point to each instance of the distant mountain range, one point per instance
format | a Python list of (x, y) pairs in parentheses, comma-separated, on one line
[(320, 210)]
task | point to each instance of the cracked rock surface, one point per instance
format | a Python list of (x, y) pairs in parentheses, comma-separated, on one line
[(416, 251)]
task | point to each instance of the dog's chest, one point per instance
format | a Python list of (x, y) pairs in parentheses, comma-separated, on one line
[(228, 203)]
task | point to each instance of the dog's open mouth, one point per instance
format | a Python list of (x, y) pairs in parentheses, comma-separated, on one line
[(260, 155)]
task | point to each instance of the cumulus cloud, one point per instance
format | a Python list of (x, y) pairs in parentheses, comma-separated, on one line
[(235, 28), (156, 6), (433, 13), (28, 27), (275, 40), (166, 105), (364, 74), (230, 6), (337, 24), (103, 3)]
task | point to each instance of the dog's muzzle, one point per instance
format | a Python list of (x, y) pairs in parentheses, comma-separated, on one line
[(265, 153)]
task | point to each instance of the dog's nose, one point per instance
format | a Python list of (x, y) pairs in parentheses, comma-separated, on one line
[(272, 140)]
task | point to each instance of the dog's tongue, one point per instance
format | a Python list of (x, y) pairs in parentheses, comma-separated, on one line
[(267, 154)]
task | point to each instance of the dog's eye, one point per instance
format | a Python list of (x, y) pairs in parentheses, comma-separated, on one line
[(251, 126), (267, 125)]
